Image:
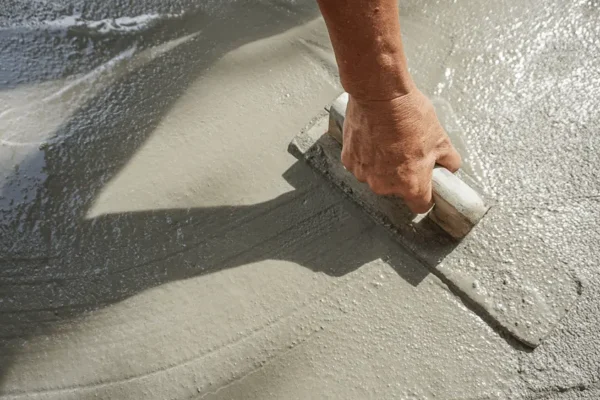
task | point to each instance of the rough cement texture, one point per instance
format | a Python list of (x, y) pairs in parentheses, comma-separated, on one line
[(526, 308), (157, 241)]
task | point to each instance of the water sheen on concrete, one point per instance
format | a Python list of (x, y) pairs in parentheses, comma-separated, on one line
[(157, 241)]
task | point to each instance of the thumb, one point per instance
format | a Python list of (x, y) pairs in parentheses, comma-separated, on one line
[(449, 159)]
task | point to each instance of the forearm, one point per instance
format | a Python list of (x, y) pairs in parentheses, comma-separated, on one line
[(366, 40)]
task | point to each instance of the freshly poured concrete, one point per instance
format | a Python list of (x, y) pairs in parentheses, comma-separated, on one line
[(527, 308), (159, 242)]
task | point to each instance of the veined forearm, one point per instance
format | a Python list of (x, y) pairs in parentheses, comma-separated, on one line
[(365, 35)]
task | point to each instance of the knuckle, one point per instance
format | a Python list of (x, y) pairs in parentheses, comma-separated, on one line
[(378, 189), (444, 143), (445, 147), (411, 188), (415, 191), (359, 173), (360, 177), (417, 195), (378, 186)]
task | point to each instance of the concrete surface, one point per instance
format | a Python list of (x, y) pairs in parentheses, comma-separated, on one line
[(157, 240), (512, 296)]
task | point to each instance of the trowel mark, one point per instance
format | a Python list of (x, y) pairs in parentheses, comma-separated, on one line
[(19, 124), (21, 202), (103, 26), (20, 127)]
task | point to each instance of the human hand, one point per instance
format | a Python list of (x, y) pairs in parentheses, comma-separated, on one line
[(393, 145)]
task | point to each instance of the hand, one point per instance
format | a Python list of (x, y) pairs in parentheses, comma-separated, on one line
[(393, 145)]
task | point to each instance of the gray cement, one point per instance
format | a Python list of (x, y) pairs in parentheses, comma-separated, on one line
[(527, 308), (157, 240)]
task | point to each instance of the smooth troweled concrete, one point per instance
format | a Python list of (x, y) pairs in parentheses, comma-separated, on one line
[(526, 308), (158, 241)]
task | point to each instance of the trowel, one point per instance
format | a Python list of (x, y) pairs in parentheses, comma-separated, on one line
[(458, 206), (460, 239)]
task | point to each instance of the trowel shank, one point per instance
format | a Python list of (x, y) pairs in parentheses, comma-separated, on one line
[(458, 207)]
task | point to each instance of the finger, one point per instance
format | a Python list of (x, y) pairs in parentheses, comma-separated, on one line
[(357, 170), (449, 158), (382, 185), (422, 204), (351, 164), (359, 173), (417, 192)]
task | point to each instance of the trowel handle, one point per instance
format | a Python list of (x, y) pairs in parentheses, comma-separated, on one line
[(458, 207)]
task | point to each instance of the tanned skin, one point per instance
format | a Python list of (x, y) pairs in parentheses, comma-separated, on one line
[(392, 136)]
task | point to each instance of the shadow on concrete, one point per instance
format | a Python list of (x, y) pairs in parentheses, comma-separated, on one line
[(57, 265), (41, 48)]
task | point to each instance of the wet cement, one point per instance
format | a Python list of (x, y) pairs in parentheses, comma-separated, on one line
[(527, 308), (157, 240)]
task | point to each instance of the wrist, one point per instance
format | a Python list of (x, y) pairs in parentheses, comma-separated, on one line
[(378, 78), (403, 107)]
